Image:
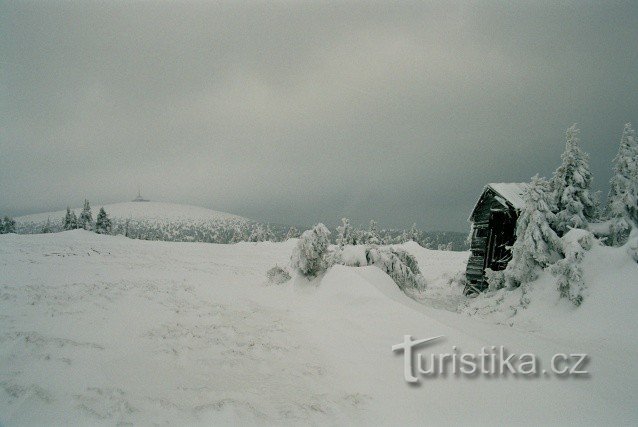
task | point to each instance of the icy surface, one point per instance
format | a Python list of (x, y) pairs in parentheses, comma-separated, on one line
[(104, 330)]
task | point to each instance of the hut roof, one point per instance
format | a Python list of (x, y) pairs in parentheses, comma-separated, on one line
[(511, 192)]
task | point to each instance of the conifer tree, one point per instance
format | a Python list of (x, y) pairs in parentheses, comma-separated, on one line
[(292, 233), (46, 228), (344, 233), (85, 220), (8, 225), (70, 220), (537, 244), (103, 223), (622, 207), (570, 184)]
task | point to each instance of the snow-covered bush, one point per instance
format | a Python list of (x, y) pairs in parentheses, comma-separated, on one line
[(537, 244), (495, 279), (571, 182), (569, 270), (398, 264), (308, 257), (278, 275)]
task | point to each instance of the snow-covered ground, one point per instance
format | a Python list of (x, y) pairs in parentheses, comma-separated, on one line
[(101, 330)]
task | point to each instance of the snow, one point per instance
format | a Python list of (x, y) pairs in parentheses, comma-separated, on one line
[(159, 211), (102, 329), (511, 191)]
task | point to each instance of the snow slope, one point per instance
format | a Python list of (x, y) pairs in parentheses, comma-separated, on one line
[(103, 330)]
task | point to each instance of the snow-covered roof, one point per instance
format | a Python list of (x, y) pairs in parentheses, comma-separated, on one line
[(511, 192)]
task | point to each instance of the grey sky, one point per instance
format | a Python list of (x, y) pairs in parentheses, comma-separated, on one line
[(305, 112)]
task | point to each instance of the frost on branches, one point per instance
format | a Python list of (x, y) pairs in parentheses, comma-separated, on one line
[(569, 270), (399, 265), (537, 245), (571, 182), (308, 257), (622, 200)]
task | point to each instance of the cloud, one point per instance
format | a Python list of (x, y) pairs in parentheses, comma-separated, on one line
[(299, 113)]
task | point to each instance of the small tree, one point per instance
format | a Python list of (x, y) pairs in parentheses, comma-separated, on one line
[(70, 220), (46, 228), (537, 244), (103, 223), (344, 233), (85, 220), (8, 225), (622, 201), (571, 183), (292, 233), (308, 257), (415, 234), (373, 233)]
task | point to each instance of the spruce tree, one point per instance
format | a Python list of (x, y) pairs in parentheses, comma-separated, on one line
[(86, 217), (622, 200), (344, 233), (570, 184), (537, 244), (70, 220), (47, 227), (103, 223), (8, 225), (373, 233), (292, 233)]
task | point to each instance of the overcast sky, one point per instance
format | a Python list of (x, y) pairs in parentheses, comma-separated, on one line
[(299, 112)]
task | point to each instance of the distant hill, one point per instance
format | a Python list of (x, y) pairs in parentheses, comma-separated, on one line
[(154, 221)]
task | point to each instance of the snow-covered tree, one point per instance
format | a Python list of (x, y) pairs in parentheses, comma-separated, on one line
[(292, 233), (46, 228), (308, 257), (103, 223), (70, 220), (344, 233), (570, 184), (537, 244), (569, 270), (85, 220), (398, 264), (622, 201), (8, 225), (373, 233), (415, 234)]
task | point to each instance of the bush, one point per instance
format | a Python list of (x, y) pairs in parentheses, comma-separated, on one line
[(308, 257), (399, 265), (277, 275)]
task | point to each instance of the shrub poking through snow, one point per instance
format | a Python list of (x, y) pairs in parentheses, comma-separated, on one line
[(399, 265), (569, 270), (309, 256), (277, 275)]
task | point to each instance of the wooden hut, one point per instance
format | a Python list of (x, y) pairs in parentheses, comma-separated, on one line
[(493, 231)]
